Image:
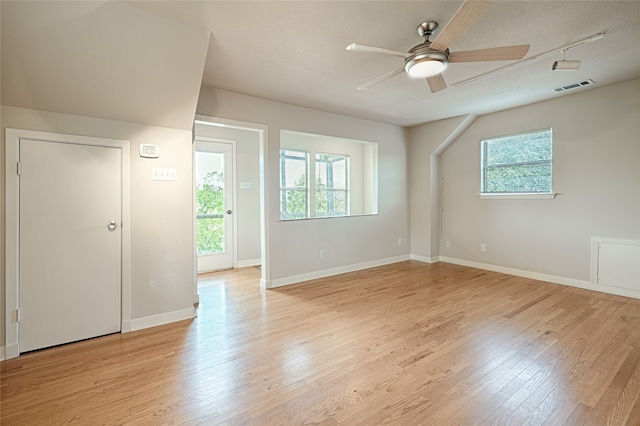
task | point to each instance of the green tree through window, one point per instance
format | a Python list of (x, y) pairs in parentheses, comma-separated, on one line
[(210, 214), (332, 185), (293, 184), (517, 163)]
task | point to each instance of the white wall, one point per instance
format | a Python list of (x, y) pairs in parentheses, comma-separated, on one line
[(161, 212), (295, 245), (596, 171), (423, 142), (103, 59), (248, 200)]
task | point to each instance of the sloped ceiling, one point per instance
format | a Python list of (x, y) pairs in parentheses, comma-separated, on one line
[(101, 59), (143, 61), (294, 52)]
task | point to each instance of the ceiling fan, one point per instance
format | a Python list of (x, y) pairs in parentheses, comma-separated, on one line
[(430, 58)]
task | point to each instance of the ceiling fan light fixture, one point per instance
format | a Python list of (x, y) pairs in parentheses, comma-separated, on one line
[(425, 68), (426, 64)]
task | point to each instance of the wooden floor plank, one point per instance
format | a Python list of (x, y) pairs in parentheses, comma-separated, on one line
[(409, 343)]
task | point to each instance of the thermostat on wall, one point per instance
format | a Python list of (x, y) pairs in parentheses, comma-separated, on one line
[(149, 151)]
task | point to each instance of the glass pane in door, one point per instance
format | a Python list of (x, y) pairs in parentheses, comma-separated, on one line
[(210, 214)]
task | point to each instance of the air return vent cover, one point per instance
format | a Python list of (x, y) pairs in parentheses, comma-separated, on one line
[(574, 86)]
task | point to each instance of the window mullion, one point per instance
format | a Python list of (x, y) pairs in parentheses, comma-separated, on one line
[(311, 184)]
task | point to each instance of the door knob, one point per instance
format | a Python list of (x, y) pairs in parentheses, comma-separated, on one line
[(228, 211), (111, 226)]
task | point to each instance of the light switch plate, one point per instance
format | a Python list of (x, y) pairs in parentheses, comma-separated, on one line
[(164, 174)]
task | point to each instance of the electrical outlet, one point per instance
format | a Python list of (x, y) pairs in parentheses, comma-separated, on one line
[(321, 254), (483, 247), (448, 244), (399, 241)]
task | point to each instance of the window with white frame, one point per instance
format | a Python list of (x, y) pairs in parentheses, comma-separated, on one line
[(332, 185), (294, 189), (326, 176), (517, 164)]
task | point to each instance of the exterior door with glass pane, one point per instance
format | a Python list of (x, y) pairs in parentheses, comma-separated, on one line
[(214, 205)]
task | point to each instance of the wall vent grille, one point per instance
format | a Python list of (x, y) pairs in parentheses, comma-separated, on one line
[(573, 86)]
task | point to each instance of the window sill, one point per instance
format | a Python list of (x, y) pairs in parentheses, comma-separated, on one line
[(518, 196), (327, 217)]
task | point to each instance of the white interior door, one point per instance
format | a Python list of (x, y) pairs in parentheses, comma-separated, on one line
[(69, 242), (214, 205)]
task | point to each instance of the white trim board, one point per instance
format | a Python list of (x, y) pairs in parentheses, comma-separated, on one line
[(248, 262), (543, 277), (295, 279), (162, 319), (12, 139), (424, 259)]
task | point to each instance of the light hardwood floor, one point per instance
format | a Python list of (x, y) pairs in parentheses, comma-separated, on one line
[(406, 344)]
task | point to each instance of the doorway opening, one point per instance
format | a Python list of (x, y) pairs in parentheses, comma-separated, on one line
[(249, 207)]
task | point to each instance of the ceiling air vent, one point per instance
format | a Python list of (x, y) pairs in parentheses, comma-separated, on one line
[(573, 86)]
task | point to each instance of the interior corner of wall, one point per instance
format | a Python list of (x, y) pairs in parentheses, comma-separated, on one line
[(459, 129)]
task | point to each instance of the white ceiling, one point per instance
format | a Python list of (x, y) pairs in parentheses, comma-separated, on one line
[(294, 52), (101, 59)]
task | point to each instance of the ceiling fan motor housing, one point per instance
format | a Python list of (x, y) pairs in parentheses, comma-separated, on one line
[(425, 62)]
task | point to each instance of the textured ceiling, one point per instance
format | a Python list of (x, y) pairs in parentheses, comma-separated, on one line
[(294, 52)]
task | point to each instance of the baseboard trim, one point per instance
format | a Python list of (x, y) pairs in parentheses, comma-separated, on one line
[(8, 352), (424, 259), (162, 319), (586, 285), (250, 262), (295, 279)]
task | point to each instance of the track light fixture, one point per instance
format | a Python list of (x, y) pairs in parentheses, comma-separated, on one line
[(565, 65), (528, 61)]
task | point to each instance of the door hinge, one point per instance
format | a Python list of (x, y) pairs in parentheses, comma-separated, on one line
[(18, 318), (19, 168)]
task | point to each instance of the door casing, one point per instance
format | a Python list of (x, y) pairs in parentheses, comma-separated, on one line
[(265, 234)]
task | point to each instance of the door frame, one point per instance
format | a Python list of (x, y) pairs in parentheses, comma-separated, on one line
[(263, 136), (234, 199), (12, 236)]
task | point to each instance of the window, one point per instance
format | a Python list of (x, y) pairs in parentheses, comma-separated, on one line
[(294, 192), (332, 185), (517, 164), (326, 176)]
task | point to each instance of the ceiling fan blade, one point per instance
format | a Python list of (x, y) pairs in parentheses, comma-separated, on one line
[(381, 78), (355, 47), (436, 83), (464, 18), (506, 53)]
